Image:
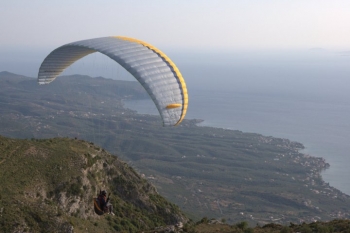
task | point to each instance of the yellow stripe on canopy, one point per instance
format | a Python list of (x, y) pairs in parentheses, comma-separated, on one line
[(173, 106), (173, 66)]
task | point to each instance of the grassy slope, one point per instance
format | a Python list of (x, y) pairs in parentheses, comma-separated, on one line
[(48, 185)]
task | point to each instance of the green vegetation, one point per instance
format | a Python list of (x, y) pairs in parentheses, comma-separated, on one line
[(209, 226), (48, 186), (206, 171)]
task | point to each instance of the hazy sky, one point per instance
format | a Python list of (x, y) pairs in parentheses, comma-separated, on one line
[(198, 24)]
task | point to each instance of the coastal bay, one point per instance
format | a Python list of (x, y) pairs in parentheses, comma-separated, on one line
[(321, 127), (206, 171)]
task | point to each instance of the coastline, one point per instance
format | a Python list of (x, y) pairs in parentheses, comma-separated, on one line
[(314, 180), (139, 107), (329, 174), (206, 171)]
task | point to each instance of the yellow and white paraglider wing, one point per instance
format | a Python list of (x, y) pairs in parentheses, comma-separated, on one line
[(151, 67)]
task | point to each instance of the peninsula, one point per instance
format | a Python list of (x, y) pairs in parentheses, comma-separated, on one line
[(213, 172)]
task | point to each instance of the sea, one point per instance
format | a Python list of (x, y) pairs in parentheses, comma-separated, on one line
[(301, 96)]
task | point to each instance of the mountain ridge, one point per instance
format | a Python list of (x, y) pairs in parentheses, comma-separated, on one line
[(49, 185), (206, 171)]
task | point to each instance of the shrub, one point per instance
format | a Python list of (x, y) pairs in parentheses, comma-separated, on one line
[(74, 189), (286, 229), (242, 225)]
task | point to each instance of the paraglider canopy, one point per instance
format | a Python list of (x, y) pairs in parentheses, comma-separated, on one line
[(151, 67)]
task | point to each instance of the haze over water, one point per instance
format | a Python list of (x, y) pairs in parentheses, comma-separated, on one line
[(301, 96)]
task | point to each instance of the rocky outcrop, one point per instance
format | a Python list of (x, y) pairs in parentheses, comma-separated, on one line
[(50, 184)]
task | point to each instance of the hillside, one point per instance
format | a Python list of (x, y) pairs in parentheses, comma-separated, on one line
[(210, 226), (206, 171), (48, 186)]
